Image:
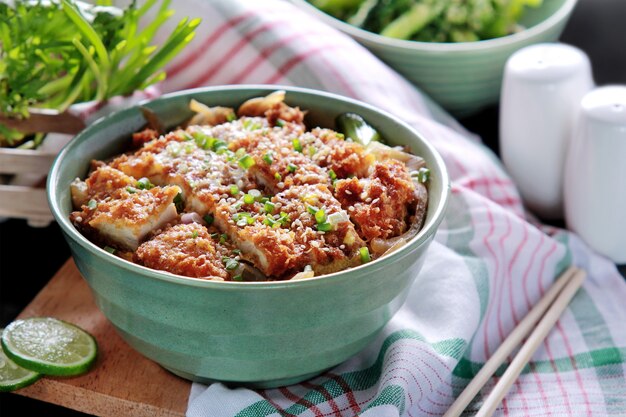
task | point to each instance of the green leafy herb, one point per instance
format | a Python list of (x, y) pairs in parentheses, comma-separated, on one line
[(57, 53), (230, 263)]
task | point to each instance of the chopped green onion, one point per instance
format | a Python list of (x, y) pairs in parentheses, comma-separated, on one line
[(364, 254), (203, 140), (269, 207), (248, 124), (223, 238), (423, 174), (332, 175), (209, 219), (231, 117), (292, 168), (320, 216), (340, 135), (284, 218), (234, 190), (280, 123), (92, 204), (297, 146), (277, 176), (264, 200), (268, 158), (312, 151), (246, 161), (219, 144), (144, 184), (269, 221), (131, 190), (237, 251), (238, 277), (186, 136), (194, 234), (179, 203), (311, 209), (109, 249), (240, 152), (215, 235), (324, 227), (230, 264), (248, 199)]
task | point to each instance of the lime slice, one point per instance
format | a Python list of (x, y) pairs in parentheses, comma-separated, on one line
[(13, 376), (49, 346)]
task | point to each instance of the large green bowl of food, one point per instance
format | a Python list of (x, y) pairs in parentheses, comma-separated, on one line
[(249, 234), (453, 50)]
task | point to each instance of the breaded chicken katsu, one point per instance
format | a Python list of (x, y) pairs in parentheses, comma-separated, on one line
[(252, 195)]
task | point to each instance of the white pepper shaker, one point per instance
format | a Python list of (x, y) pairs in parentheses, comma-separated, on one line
[(542, 88), (595, 174)]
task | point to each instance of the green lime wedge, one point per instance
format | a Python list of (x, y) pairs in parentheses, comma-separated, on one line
[(49, 346), (13, 376)]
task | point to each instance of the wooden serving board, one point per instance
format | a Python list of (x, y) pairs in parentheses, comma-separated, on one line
[(122, 382)]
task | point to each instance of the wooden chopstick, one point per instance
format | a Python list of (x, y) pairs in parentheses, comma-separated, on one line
[(514, 339), (532, 343)]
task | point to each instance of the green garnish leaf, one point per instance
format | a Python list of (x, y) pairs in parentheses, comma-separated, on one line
[(297, 146), (268, 158), (144, 184), (248, 199), (230, 264), (269, 207), (179, 203), (324, 227), (320, 216), (246, 161), (364, 254)]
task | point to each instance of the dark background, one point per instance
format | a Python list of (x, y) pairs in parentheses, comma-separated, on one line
[(30, 256)]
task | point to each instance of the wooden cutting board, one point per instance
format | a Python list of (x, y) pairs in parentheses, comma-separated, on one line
[(122, 382)]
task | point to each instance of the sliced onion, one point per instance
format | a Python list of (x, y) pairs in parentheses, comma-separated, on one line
[(339, 217), (193, 217)]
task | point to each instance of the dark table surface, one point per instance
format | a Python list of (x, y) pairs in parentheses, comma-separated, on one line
[(30, 256)]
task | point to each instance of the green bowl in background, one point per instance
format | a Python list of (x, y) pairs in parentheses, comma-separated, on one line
[(262, 334), (462, 77)]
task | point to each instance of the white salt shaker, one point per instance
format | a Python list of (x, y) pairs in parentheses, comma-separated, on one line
[(595, 175), (542, 88)]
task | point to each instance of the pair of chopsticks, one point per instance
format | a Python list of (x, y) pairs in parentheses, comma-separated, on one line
[(544, 314)]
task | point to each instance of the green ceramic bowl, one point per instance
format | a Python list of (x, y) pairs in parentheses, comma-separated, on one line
[(261, 334), (463, 77)]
